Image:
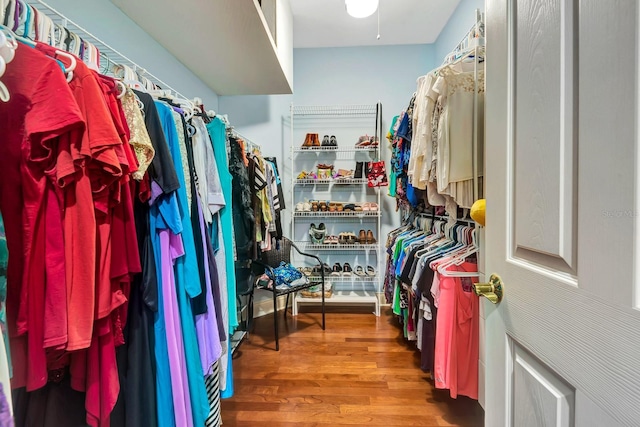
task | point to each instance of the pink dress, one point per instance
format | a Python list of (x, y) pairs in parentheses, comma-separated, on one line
[(457, 340)]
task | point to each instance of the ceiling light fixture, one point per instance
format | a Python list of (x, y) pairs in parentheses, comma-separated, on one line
[(361, 8)]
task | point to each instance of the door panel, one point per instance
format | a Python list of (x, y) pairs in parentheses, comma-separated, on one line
[(540, 398), (544, 170), (568, 272)]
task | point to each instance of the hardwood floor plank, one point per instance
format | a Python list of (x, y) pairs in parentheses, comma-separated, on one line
[(360, 371)]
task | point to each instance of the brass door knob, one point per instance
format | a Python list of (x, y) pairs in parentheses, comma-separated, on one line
[(493, 291)]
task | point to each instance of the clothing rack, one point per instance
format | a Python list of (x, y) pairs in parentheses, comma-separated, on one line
[(473, 38), (472, 44), (108, 53), (250, 143)]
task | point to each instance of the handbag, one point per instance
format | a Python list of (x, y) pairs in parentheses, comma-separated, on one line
[(377, 174)]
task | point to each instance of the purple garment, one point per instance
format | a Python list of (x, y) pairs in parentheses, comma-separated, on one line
[(171, 249), (207, 324), (6, 420)]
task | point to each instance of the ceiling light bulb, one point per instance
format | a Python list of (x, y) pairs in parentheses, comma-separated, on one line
[(361, 8)]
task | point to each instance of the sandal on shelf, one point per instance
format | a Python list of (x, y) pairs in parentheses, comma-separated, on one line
[(346, 269), (359, 271), (366, 207), (373, 207), (371, 271), (351, 239), (331, 240), (363, 141), (342, 238)]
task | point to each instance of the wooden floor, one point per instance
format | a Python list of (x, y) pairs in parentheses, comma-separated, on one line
[(360, 371)]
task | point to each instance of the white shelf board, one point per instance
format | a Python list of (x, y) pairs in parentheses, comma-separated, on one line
[(341, 298), (342, 214), (344, 181), (337, 247), (335, 149)]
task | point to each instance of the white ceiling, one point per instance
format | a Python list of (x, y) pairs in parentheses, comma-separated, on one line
[(325, 23)]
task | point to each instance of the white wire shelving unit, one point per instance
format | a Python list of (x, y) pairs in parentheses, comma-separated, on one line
[(347, 123)]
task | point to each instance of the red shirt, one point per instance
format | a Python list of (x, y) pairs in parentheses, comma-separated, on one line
[(40, 120)]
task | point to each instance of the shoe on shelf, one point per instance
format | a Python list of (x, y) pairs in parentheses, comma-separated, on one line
[(317, 234), (337, 269), (371, 271), (373, 207), (306, 207), (362, 238), (331, 240), (351, 238), (308, 141), (339, 207), (299, 207), (349, 207), (302, 175), (363, 141), (333, 142), (359, 271), (325, 141), (315, 139), (370, 238), (346, 269), (344, 174)]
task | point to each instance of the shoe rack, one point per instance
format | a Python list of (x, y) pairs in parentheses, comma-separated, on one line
[(347, 123)]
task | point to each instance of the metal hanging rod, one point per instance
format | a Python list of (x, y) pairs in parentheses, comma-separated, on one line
[(238, 135), (108, 53)]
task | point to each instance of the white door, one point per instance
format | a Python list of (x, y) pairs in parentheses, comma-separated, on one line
[(563, 205)]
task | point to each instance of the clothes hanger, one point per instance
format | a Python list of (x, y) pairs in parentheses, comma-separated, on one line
[(8, 45)]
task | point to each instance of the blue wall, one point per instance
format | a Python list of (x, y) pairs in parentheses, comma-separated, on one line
[(460, 22)]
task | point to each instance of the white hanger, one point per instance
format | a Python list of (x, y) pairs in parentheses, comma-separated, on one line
[(8, 45)]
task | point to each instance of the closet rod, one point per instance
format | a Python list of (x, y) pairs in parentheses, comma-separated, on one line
[(104, 48), (445, 218), (245, 139)]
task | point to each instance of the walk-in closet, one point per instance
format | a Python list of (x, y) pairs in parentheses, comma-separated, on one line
[(319, 213)]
